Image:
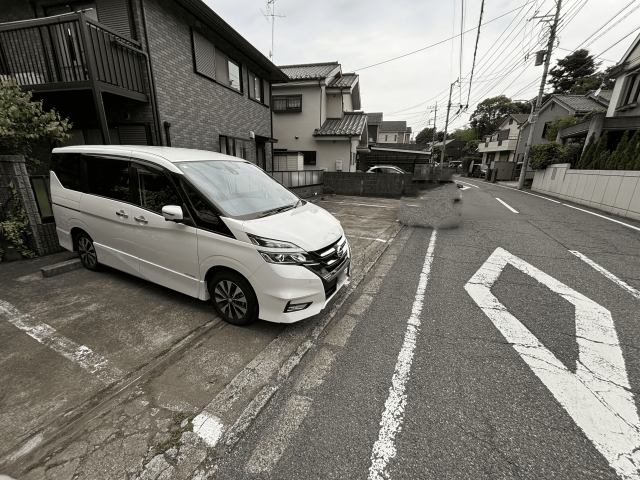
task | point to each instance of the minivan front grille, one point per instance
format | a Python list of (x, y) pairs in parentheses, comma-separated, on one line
[(329, 262)]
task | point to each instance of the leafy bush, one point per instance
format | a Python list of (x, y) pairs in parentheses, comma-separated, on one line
[(545, 154), (14, 225), (23, 122)]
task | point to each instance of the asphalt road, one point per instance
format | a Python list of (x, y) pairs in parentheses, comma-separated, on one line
[(489, 350)]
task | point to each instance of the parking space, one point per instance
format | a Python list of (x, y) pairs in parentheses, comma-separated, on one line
[(74, 341)]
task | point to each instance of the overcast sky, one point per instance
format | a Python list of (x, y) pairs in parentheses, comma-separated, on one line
[(359, 33)]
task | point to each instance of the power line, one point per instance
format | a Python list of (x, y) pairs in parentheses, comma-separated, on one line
[(605, 24), (441, 41), (475, 51)]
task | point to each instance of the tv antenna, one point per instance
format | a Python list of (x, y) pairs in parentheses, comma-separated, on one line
[(270, 16)]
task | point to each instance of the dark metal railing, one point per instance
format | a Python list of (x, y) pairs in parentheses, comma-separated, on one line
[(298, 178), (69, 49)]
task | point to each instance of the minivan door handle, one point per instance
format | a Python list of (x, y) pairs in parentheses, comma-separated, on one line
[(122, 214), (140, 219)]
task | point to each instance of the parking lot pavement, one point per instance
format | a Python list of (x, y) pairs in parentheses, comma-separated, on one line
[(102, 371)]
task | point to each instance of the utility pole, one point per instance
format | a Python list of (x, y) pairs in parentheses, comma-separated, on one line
[(271, 13), (435, 130), (543, 81), (446, 126)]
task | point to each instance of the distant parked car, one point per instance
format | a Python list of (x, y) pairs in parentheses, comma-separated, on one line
[(455, 164), (385, 169), (479, 171)]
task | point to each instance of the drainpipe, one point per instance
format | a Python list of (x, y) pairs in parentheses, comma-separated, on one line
[(153, 94)]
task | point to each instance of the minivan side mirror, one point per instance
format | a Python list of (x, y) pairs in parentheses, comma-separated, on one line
[(172, 213)]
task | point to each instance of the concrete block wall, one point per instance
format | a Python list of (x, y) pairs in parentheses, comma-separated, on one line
[(369, 184), (306, 192), (44, 239), (612, 191)]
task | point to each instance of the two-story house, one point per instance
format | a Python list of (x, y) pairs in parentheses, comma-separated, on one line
[(157, 72), (623, 112), (559, 106), (501, 144), (373, 125), (317, 113), (393, 132)]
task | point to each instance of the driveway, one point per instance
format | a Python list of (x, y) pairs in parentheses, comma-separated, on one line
[(92, 357)]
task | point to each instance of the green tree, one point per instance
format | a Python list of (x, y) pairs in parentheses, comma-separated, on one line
[(576, 69), (633, 152), (570, 153), (24, 122), (600, 153), (471, 147), (558, 124), (617, 159), (587, 153), (425, 136), (465, 134), (491, 111)]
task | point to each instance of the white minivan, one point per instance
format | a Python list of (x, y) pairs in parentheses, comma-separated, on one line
[(202, 223)]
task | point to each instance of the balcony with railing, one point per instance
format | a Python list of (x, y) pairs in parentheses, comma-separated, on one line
[(72, 52), (499, 144)]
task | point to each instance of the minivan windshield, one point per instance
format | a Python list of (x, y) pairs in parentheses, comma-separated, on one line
[(239, 189)]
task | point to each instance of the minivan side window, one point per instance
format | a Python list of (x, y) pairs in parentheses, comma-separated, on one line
[(202, 213), (154, 189), (108, 177), (70, 170)]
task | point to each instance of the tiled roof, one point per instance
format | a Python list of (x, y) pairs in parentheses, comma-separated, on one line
[(352, 123), (374, 118), (604, 96), (309, 71), (520, 117), (346, 80), (395, 126), (578, 103)]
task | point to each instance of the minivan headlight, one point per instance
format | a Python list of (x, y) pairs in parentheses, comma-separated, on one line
[(269, 242), (286, 258)]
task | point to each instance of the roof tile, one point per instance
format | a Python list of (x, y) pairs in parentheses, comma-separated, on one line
[(352, 123), (309, 71), (345, 80)]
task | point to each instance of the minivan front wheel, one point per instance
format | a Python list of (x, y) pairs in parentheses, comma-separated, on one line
[(87, 252), (233, 298)]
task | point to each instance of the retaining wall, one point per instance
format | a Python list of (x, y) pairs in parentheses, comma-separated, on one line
[(370, 184), (612, 191), (306, 192)]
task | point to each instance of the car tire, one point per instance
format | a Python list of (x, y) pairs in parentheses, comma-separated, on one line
[(233, 298), (87, 252)]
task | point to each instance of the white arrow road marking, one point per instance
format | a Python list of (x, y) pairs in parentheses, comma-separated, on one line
[(385, 447), (597, 396), (47, 335), (607, 274), (463, 188), (465, 183)]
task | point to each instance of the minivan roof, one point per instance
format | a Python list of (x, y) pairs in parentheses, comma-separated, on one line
[(164, 156)]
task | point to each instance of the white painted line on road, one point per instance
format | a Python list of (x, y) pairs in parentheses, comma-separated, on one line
[(505, 204), (602, 216), (597, 396), (47, 335), (273, 445), (534, 195), (381, 240), (465, 183), (385, 447), (607, 274), (208, 427)]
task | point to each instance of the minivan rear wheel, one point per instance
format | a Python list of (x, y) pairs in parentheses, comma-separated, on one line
[(87, 252), (233, 298)]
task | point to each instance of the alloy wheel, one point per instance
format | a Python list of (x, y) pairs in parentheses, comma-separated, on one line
[(87, 252), (230, 299)]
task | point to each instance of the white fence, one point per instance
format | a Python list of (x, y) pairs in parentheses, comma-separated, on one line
[(612, 191)]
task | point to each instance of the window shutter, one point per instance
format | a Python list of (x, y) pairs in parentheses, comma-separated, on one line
[(133, 135), (115, 15), (266, 93), (204, 56)]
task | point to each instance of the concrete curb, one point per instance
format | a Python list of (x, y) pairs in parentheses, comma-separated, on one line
[(257, 405), (62, 267)]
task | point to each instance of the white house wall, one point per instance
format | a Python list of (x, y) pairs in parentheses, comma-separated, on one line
[(329, 152), (334, 105), (286, 126)]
